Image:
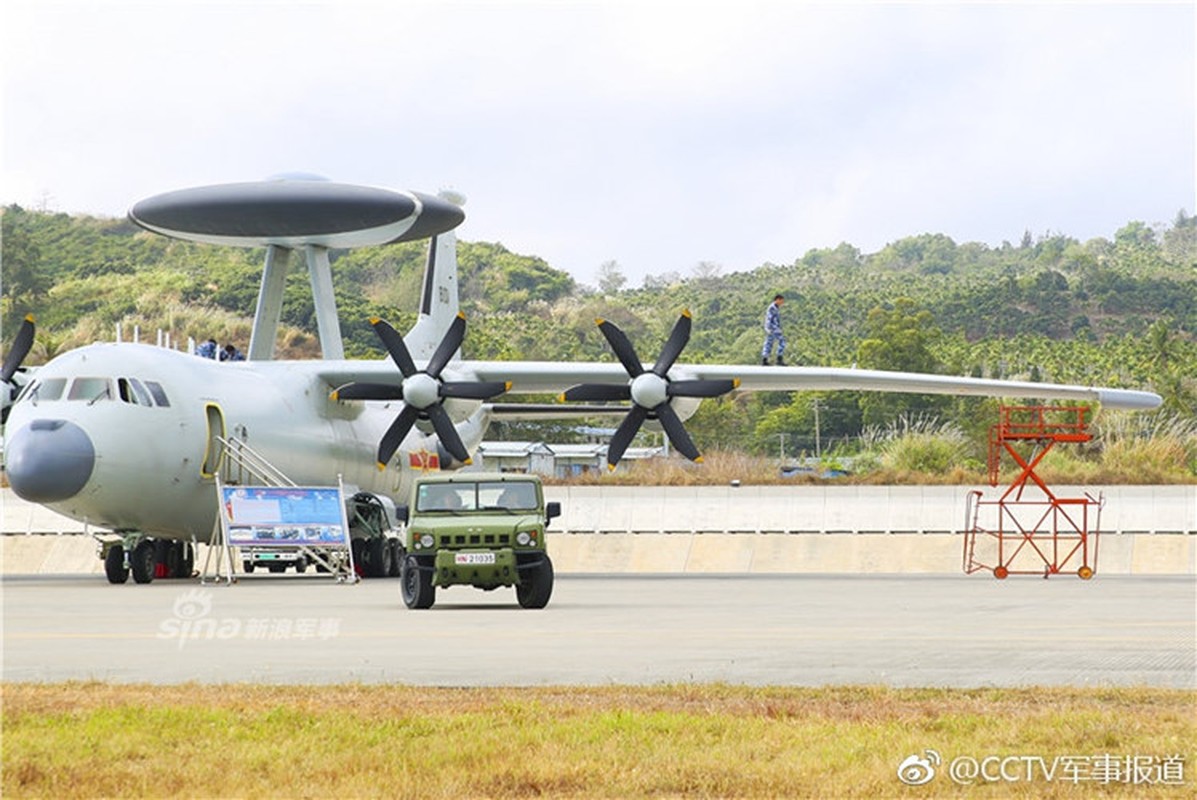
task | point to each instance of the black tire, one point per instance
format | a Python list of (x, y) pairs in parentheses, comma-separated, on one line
[(188, 565), (114, 565), (143, 561), (397, 555), (277, 567), (174, 560), (378, 558), (415, 585), (358, 548), (248, 566), (536, 585), (301, 564)]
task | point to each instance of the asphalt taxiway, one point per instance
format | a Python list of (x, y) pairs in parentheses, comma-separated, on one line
[(800, 630)]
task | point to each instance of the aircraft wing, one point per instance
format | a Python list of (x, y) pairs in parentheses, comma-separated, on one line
[(545, 376), (550, 377)]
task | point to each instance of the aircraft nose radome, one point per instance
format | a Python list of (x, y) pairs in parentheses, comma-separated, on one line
[(48, 460)]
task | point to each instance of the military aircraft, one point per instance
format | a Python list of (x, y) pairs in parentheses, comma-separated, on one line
[(129, 437)]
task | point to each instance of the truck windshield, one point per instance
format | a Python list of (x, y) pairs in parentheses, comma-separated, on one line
[(458, 497)]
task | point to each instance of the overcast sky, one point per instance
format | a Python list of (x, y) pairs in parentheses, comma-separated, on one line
[(654, 134)]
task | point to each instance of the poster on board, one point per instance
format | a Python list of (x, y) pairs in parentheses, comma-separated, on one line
[(280, 516)]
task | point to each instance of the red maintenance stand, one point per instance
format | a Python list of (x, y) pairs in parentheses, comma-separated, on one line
[(1030, 530)]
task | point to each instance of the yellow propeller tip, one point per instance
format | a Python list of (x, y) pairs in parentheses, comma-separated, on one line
[(461, 315), (698, 460), (561, 397), (375, 320), (686, 313), (29, 318), (381, 466), (599, 320), (468, 461), (335, 396), (735, 383), (507, 386), (610, 468)]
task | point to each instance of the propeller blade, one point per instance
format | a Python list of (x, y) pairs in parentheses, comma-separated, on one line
[(447, 347), (474, 390), (676, 432), (712, 388), (598, 391), (395, 434), (678, 338), (448, 433), (20, 348), (368, 391), (622, 347), (624, 434), (393, 342)]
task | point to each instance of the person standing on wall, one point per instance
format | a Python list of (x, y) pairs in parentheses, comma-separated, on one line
[(773, 334)]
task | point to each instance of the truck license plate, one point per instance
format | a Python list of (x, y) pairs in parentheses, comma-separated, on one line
[(469, 559)]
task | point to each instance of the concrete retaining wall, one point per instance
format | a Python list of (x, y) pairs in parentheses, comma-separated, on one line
[(752, 529)]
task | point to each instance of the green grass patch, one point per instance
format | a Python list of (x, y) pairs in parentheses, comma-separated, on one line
[(96, 739)]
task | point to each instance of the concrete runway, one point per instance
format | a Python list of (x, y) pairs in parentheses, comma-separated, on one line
[(785, 630)]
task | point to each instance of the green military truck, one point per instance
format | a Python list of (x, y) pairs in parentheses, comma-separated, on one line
[(477, 529)]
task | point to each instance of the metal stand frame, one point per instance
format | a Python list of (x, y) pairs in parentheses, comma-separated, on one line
[(252, 468), (1042, 534)]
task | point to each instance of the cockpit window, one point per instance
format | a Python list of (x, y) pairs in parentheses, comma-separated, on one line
[(132, 391), (158, 392), (49, 389), (90, 389)]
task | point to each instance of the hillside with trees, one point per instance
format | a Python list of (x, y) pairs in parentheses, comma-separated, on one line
[(1119, 311)]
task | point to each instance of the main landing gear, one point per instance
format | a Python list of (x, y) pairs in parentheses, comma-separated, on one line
[(146, 558)]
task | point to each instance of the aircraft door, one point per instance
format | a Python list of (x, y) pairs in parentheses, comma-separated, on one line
[(214, 450)]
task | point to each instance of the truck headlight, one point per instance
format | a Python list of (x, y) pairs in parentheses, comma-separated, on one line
[(427, 541), (523, 538)]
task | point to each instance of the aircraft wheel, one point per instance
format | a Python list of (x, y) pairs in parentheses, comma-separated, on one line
[(174, 560), (114, 565), (415, 585), (188, 565), (536, 585), (143, 561)]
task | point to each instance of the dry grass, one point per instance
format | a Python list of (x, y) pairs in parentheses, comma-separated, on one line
[(93, 739)]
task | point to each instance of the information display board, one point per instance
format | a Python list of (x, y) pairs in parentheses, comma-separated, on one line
[(280, 516)]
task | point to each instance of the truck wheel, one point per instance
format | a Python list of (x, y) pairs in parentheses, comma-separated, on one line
[(301, 564), (248, 566), (397, 555), (536, 585), (378, 555), (415, 585), (114, 565)]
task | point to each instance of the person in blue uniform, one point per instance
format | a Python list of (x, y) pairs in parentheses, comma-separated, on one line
[(773, 334)]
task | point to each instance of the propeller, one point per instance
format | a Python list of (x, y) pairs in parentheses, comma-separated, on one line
[(650, 391), (422, 391), (12, 362)]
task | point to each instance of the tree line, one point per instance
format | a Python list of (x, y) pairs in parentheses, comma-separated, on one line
[(1118, 311)]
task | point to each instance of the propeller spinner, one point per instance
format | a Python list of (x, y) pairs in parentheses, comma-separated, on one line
[(422, 391), (21, 346), (651, 391)]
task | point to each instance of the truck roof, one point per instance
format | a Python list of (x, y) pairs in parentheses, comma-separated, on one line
[(474, 477)]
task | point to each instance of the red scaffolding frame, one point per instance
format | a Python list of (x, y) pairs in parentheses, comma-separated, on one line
[(1029, 529)]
